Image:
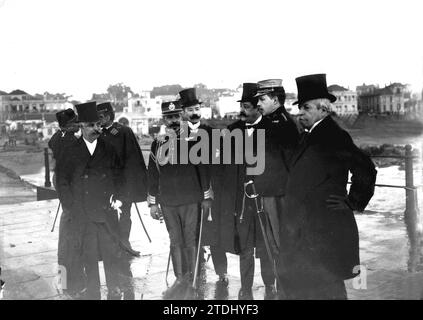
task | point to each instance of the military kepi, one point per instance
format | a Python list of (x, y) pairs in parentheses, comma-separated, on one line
[(65, 116), (269, 86), (105, 107), (249, 91), (87, 112), (171, 107), (312, 87), (188, 98)]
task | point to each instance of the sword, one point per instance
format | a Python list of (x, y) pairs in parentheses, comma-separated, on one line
[(55, 218), (260, 212), (142, 223)]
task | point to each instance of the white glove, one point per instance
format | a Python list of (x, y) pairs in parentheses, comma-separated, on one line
[(116, 204)]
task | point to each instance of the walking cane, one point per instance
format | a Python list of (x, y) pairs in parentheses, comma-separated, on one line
[(260, 212), (55, 218), (167, 269), (142, 223)]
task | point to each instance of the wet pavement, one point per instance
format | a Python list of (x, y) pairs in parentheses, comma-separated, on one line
[(28, 252)]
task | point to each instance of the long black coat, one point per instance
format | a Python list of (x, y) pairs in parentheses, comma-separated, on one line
[(129, 151), (87, 182), (316, 241)]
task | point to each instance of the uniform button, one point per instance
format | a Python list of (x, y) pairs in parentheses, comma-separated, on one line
[(86, 176), (86, 192)]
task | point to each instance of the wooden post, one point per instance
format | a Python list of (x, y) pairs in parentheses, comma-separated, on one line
[(411, 214), (47, 182)]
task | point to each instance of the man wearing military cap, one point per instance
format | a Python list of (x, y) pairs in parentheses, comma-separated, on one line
[(178, 188), (60, 143), (134, 169), (319, 237), (91, 185)]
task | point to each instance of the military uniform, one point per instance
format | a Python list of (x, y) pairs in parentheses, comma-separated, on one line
[(134, 169)]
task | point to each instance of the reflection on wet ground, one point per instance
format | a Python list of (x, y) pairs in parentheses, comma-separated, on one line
[(29, 256)]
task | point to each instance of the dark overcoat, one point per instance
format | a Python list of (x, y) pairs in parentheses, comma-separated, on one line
[(87, 183), (129, 151), (316, 241)]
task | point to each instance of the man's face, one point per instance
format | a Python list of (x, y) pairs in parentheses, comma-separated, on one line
[(71, 127), (309, 114), (248, 112), (192, 114), (91, 130), (104, 119), (267, 104), (172, 121)]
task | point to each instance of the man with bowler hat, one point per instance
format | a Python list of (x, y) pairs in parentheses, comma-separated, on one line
[(68, 257), (319, 237), (177, 186), (91, 185)]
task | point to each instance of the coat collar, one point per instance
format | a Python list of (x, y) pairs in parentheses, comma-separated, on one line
[(318, 133)]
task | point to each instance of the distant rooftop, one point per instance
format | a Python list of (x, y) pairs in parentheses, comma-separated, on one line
[(336, 87), (2, 93), (17, 92)]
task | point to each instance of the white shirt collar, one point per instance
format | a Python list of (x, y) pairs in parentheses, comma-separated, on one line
[(251, 130), (315, 124), (194, 126), (91, 145)]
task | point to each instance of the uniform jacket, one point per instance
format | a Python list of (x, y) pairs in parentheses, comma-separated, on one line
[(314, 239), (281, 138), (129, 151), (174, 184)]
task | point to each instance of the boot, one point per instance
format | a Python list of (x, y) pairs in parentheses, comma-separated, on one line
[(191, 261), (176, 290), (270, 293)]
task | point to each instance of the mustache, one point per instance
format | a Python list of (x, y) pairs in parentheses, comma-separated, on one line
[(242, 114), (195, 117)]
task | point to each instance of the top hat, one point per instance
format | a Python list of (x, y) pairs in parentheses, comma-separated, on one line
[(268, 86), (87, 112), (248, 92), (312, 87), (171, 107), (105, 107), (188, 98), (66, 116)]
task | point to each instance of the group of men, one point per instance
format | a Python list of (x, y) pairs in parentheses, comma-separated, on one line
[(295, 214)]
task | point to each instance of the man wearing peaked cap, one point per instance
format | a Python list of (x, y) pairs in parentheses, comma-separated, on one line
[(91, 185), (281, 138), (319, 236), (60, 143), (134, 172), (176, 188)]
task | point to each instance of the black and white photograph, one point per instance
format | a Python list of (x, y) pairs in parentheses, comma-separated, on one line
[(211, 153)]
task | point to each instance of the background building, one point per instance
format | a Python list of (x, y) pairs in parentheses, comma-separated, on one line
[(346, 100)]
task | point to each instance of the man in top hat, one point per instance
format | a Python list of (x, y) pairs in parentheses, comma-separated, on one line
[(60, 143), (178, 188), (132, 160), (319, 238), (90, 181)]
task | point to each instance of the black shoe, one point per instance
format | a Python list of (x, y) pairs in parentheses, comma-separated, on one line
[(114, 294), (176, 290), (129, 295), (221, 290), (245, 294), (127, 246), (270, 293)]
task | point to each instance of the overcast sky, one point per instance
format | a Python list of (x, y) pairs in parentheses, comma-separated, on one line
[(81, 46)]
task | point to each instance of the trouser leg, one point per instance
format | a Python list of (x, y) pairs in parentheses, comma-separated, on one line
[(125, 222), (189, 218), (111, 254), (90, 261), (220, 261), (266, 269), (246, 265)]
